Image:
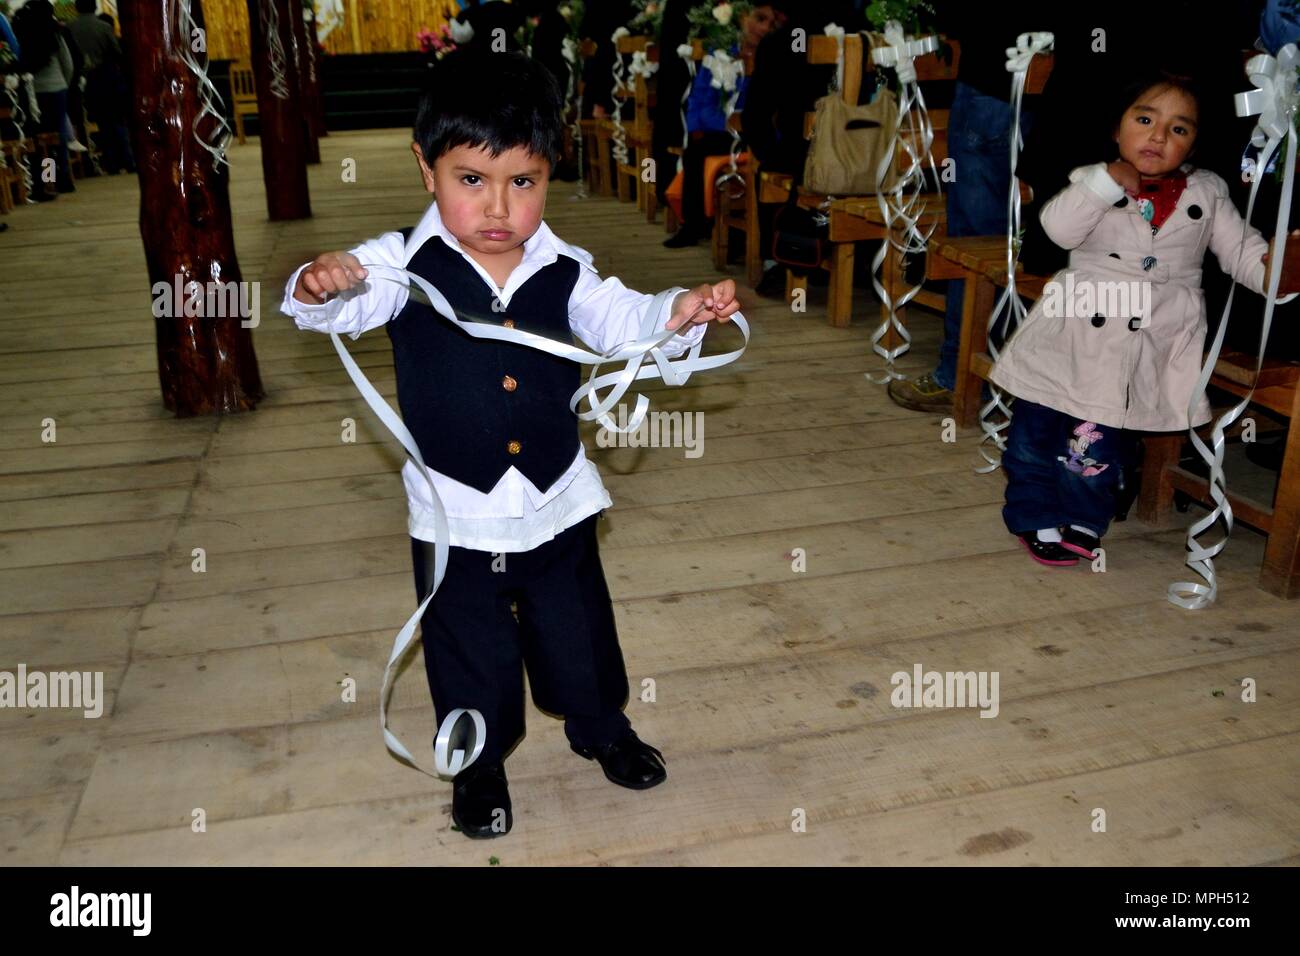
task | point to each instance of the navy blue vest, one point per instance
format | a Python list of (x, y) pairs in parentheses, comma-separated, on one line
[(477, 407)]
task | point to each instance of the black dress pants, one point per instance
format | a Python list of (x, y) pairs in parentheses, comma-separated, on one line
[(476, 648)]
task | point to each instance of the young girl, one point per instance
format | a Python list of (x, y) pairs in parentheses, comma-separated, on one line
[(1115, 344)]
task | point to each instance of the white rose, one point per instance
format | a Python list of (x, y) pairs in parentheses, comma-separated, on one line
[(722, 13)]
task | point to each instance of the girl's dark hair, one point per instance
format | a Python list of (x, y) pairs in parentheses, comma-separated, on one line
[(1206, 121), (495, 100)]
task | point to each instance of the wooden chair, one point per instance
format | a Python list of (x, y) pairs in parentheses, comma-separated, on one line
[(639, 132), (1162, 476), (857, 218), (980, 262), (741, 212), (243, 94)]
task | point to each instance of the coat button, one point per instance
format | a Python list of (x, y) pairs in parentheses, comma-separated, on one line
[(509, 384), (1122, 202), (1098, 321), (1194, 211), (1148, 263), (1135, 323), (514, 447), (509, 323)]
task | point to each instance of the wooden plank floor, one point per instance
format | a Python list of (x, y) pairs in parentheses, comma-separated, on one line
[(772, 686)]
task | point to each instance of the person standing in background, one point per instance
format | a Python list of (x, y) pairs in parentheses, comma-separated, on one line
[(46, 56)]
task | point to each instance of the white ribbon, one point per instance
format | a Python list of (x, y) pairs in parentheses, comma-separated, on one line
[(1275, 99), (270, 20), (210, 103), (641, 65), (726, 74), (837, 31), (899, 51), (34, 106), (617, 95), (903, 205), (636, 368), (687, 52), (1019, 58), (18, 117)]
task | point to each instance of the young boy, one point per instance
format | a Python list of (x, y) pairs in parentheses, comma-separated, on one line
[(493, 423)]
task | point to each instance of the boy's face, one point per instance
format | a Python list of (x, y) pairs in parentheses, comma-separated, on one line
[(491, 205), (1157, 132)]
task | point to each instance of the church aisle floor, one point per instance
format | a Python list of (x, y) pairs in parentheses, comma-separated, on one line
[(766, 592)]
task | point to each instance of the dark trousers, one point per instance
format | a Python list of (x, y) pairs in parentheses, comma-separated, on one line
[(476, 648), (1049, 480), (693, 185), (54, 110)]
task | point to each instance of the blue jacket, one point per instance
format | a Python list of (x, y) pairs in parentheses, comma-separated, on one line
[(704, 107)]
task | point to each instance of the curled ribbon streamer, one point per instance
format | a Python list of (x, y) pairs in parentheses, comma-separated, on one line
[(837, 31), (618, 94), (18, 116), (1019, 58), (219, 139), (905, 203), (673, 372), (687, 52), (275, 48), (569, 50), (1275, 99), (726, 74)]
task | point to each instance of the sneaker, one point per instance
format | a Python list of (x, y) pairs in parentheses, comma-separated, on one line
[(1047, 552), (75, 146), (922, 394)]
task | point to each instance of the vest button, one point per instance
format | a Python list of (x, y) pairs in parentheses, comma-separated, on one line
[(508, 323), (514, 447), (509, 384)]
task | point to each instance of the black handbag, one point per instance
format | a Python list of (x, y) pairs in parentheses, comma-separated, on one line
[(799, 235)]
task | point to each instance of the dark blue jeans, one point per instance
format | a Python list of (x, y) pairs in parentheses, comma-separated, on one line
[(1061, 473), (979, 143)]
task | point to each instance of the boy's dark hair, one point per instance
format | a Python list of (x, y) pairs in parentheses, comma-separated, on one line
[(87, 6), (494, 100)]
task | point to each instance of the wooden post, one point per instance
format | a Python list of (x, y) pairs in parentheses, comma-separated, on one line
[(279, 110), (206, 363), (316, 64), (305, 67)]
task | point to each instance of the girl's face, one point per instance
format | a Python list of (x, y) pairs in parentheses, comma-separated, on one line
[(1157, 132)]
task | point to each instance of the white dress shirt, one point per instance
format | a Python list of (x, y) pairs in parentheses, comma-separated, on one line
[(515, 515)]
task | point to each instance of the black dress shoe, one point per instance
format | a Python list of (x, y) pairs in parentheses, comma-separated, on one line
[(772, 285), (480, 802), (628, 762), (688, 235)]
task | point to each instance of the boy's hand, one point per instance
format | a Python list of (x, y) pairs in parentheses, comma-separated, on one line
[(330, 272), (1125, 174), (716, 301)]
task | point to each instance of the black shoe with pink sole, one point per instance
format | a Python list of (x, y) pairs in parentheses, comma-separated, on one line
[(1080, 542), (1047, 552)]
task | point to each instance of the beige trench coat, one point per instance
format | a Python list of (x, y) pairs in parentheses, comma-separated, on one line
[(1120, 339)]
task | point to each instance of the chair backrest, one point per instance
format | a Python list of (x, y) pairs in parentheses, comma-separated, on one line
[(243, 87)]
